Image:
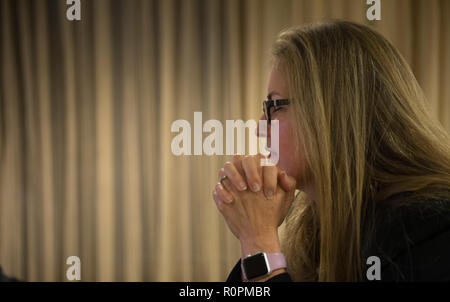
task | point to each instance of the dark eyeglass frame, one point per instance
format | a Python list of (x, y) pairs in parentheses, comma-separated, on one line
[(268, 104)]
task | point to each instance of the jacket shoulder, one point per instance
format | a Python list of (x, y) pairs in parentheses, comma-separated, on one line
[(4, 278), (413, 241)]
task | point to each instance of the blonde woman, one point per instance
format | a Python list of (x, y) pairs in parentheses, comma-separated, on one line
[(371, 164)]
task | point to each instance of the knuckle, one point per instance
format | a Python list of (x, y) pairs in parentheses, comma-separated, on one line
[(236, 158), (227, 165), (248, 157), (221, 192), (219, 205), (270, 187), (229, 169), (247, 162), (255, 176), (224, 195), (221, 172), (216, 199)]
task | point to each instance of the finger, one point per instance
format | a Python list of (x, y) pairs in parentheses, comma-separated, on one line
[(221, 173), (270, 179), (229, 187), (283, 182), (252, 173), (217, 200), (287, 183), (237, 162), (287, 193), (259, 168), (223, 194), (234, 176), (290, 184)]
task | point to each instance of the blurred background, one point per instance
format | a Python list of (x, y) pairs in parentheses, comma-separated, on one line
[(86, 167)]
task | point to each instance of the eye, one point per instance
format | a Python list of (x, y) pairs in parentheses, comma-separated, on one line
[(277, 109)]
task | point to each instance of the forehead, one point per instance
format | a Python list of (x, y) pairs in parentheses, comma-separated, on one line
[(277, 84)]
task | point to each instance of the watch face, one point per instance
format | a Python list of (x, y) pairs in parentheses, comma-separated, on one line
[(255, 266)]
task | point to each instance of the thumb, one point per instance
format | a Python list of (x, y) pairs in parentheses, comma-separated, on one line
[(287, 183)]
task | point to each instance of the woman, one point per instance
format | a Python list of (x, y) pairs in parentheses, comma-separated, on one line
[(371, 164)]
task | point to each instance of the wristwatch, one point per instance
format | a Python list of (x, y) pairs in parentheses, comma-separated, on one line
[(261, 264)]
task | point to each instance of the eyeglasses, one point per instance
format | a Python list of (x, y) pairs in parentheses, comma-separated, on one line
[(268, 104)]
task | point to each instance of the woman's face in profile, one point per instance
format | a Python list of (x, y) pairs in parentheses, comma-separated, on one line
[(289, 159)]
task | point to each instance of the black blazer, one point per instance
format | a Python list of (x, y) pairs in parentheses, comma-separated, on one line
[(412, 242), (4, 278)]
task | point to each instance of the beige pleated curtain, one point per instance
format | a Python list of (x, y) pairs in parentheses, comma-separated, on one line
[(86, 109)]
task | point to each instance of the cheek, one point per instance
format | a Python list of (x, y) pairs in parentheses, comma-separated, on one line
[(290, 159)]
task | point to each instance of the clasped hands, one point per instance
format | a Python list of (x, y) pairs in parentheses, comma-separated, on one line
[(254, 200)]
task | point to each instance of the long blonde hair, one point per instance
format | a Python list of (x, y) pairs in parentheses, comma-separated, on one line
[(362, 120)]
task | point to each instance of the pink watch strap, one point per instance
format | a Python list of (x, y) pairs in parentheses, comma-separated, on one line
[(276, 261)]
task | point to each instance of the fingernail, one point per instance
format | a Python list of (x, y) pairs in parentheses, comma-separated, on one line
[(270, 195), (243, 185), (256, 187)]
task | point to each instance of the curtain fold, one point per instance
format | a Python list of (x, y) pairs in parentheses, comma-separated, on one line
[(86, 108)]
